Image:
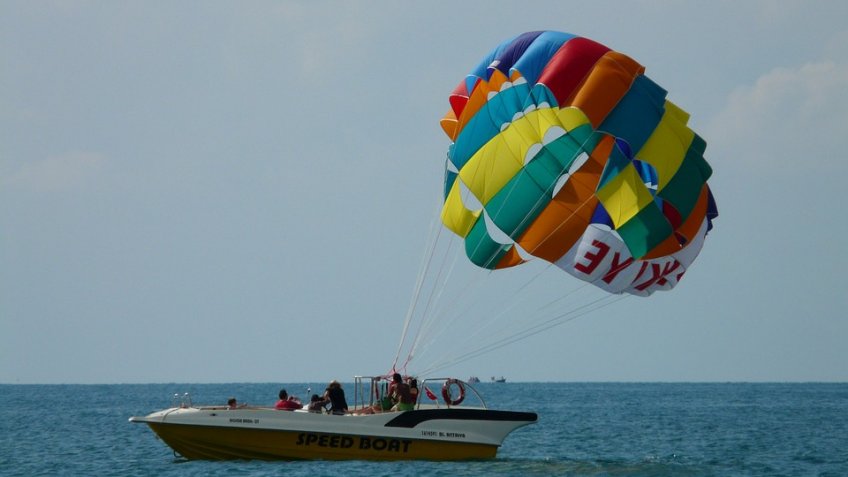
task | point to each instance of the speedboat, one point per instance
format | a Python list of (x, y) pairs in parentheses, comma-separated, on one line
[(436, 430)]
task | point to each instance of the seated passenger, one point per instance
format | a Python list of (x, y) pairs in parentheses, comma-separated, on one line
[(287, 403), (316, 404), (400, 394), (413, 389)]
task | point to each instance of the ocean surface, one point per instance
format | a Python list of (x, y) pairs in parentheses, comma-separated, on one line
[(584, 429)]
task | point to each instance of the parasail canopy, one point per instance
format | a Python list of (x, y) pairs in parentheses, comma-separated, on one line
[(563, 150), (563, 154)]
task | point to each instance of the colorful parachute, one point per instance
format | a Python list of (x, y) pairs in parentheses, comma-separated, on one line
[(565, 151)]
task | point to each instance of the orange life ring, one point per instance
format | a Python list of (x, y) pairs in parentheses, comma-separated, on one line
[(446, 392)]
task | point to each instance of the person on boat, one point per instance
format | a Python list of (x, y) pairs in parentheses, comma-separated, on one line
[(316, 404), (232, 403), (413, 389), (399, 392), (396, 378), (287, 403), (335, 396)]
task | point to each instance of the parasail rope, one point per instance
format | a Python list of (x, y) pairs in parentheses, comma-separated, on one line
[(562, 318), (435, 232), (532, 331), (429, 319), (433, 297)]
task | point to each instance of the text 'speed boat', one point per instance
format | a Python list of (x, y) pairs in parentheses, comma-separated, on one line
[(436, 431)]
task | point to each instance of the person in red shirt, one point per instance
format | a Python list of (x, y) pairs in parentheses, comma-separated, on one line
[(287, 403)]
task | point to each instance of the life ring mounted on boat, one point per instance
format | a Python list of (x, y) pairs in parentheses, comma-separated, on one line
[(448, 396)]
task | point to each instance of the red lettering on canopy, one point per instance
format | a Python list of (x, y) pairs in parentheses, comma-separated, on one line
[(658, 274), (641, 271), (616, 267), (669, 268), (594, 258)]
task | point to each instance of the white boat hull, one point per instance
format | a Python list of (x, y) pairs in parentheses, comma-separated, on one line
[(262, 433)]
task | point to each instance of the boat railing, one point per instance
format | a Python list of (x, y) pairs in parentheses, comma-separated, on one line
[(377, 387), (368, 391), (453, 392), (181, 400)]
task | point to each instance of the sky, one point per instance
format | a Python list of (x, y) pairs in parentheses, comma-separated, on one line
[(209, 191)]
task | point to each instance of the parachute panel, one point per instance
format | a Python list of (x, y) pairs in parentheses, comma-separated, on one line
[(684, 188), (607, 82), (486, 252), (562, 222), (668, 144), (538, 54), (637, 114), (569, 66), (455, 216)]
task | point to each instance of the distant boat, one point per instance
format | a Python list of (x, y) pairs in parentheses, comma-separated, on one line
[(473, 380), (498, 380)]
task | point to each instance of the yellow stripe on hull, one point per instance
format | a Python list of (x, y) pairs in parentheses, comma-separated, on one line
[(217, 443)]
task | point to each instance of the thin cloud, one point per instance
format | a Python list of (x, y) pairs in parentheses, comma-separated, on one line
[(63, 172), (785, 111)]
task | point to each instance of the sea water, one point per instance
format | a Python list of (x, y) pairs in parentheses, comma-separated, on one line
[(584, 429)]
